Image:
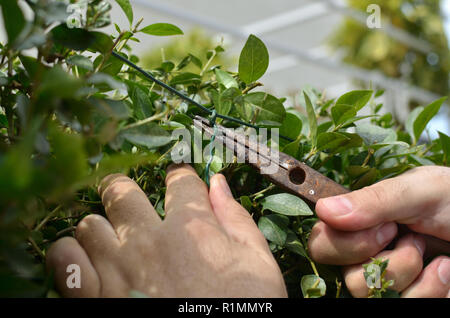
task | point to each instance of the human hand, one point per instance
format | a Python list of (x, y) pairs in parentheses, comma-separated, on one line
[(360, 224), (207, 246)]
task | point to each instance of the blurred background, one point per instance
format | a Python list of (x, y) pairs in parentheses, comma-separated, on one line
[(322, 43), (326, 44)]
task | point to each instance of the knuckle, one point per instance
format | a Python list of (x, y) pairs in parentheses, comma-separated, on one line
[(177, 171), (87, 224), (115, 190), (314, 245), (109, 179)]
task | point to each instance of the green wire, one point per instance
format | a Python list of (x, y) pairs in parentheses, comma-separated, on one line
[(184, 97)]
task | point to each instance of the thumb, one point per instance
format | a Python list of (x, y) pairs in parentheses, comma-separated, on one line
[(418, 198), (236, 221)]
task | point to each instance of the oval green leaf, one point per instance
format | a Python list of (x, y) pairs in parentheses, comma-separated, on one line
[(253, 61), (225, 79), (270, 109), (162, 29), (313, 286), (127, 8), (425, 116), (312, 120), (357, 99), (286, 204), (150, 135), (274, 228)]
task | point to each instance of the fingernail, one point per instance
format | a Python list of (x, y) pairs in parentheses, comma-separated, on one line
[(224, 186), (444, 271), (338, 205), (386, 233), (420, 244)]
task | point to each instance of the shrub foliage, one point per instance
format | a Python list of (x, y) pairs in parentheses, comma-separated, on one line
[(71, 113)]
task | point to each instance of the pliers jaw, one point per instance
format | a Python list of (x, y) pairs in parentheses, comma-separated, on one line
[(281, 169)]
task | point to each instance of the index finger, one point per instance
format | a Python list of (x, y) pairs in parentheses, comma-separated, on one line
[(186, 194), (127, 206)]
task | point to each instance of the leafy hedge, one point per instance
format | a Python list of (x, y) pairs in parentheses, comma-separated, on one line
[(71, 113)]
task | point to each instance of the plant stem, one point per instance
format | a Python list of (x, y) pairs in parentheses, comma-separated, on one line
[(165, 154), (339, 287), (262, 191), (313, 267), (36, 247), (366, 160), (311, 153), (90, 202), (207, 63), (252, 86), (107, 55), (48, 217), (66, 230), (146, 120)]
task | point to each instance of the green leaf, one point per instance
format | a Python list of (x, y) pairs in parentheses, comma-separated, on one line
[(291, 126), (58, 83), (101, 79), (13, 19), (331, 140), (112, 66), (182, 119), (372, 134), (341, 113), (3, 121), (167, 66), (149, 135), (409, 124), (31, 64), (246, 202), (127, 8), (186, 78), (445, 142), (350, 121), (313, 286), (67, 151), (253, 61), (81, 62), (425, 116), (142, 104), (226, 100), (367, 179), (225, 79), (197, 62), (294, 245), (323, 127), (162, 29), (312, 120), (76, 39), (356, 171), (357, 99), (102, 43), (270, 110), (286, 204), (274, 228), (421, 161)]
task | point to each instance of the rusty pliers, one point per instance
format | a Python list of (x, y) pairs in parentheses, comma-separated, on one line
[(291, 174)]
